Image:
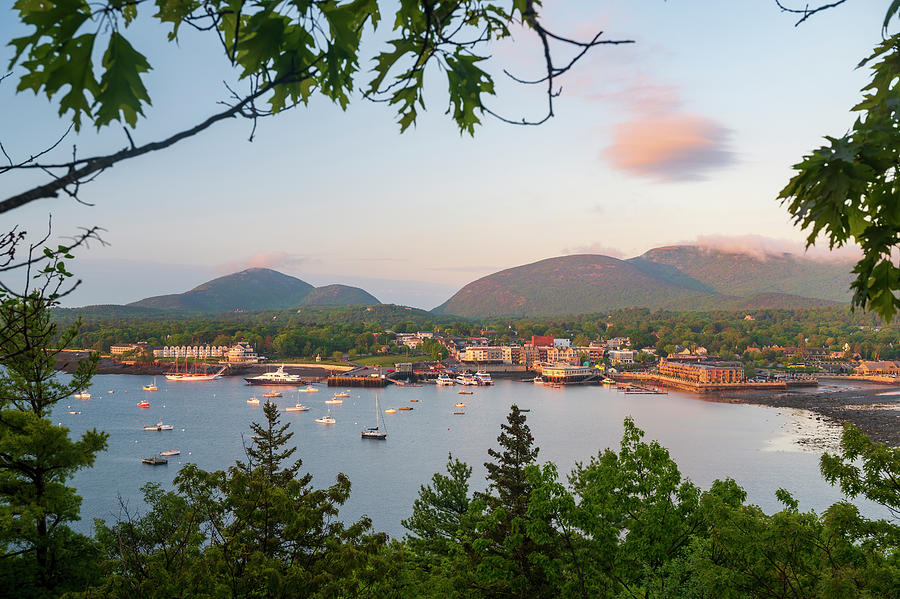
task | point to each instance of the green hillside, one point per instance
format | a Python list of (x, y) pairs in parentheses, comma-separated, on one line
[(741, 274), (339, 295), (576, 284), (251, 289), (684, 278)]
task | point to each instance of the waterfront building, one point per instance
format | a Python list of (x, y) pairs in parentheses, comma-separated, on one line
[(883, 368), (703, 372), (242, 353), (566, 373), (482, 355), (190, 351), (117, 349), (621, 356)]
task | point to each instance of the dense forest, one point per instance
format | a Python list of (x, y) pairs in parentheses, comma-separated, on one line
[(326, 330)]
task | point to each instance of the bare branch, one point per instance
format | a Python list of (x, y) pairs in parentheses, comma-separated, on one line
[(806, 11)]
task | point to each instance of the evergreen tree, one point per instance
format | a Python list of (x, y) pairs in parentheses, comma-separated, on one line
[(509, 562), (39, 554), (254, 530)]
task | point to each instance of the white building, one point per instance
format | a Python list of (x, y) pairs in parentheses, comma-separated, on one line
[(621, 356), (242, 353), (562, 342), (190, 351)]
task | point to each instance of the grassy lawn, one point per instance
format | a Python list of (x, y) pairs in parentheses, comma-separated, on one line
[(387, 360)]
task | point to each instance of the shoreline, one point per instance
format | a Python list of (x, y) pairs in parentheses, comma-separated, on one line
[(874, 409)]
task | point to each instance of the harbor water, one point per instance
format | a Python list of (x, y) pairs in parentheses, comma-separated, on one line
[(757, 446)]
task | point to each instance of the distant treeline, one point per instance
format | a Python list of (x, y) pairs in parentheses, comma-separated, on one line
[(326, 330)]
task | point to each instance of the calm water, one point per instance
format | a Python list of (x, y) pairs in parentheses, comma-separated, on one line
[(755, 445)]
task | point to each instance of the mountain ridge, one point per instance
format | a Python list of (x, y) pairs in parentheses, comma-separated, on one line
[(680, 278), (256, 289)]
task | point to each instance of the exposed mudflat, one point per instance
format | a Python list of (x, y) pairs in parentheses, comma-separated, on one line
[(875, 409)]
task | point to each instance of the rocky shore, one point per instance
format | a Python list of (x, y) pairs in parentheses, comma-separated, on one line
[(875, 409)]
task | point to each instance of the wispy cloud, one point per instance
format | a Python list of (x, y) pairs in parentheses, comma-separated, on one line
[(594, 248), (273, 260), (761, 247)]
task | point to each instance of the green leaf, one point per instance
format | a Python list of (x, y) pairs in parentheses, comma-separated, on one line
[(122, 93)]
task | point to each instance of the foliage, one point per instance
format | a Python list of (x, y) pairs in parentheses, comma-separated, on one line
[(256, 529), (847, 190), (39, 554)]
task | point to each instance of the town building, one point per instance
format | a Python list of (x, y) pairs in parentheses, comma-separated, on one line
[(621, 356), (190, 351), (566, 373), (242, 353), (703, 372), (878, 368), (117, 349), (482, 355)]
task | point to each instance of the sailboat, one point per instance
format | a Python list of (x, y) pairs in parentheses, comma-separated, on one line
[(375, 432), (194, 375), (151, 386)]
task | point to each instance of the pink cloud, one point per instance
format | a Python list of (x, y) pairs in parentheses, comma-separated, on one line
[(273, 260), (761, 247), (669, 146), (595, 248)]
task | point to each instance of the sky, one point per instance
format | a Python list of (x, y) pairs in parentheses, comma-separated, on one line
[(685, 136)]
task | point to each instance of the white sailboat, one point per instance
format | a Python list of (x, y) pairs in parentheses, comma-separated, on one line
[(375, 432)]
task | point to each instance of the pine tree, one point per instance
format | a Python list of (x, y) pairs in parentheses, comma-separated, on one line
[(510, 558), (39, 554)]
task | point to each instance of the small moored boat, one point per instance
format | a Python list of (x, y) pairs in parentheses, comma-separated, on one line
[(390, 411), (253, 401), (159, 426), (342, 394), (466, 392), (405, 409), (82, 395), (297, 408), (460, 405), (334, 400), (170, 452), (308, 389), (143, 404), (155, 461), (272, 394), (325, 420)]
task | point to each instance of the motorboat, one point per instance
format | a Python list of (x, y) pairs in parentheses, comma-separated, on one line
[(460, 405), (297, 408), (405, 409), (342, 394), (272, 394), (484, 378), (82, 395), (155, 461), (111, 391), (608, 381), (390, 411), (334, 400), (325, 420), (414, 400), (253, 401), (466, 392), (445, 380), (279, 377), (467, 379), (538, 380), (74, 412), (143, 404), (458, 413), (308, 389), (159, 426), (170, 452)]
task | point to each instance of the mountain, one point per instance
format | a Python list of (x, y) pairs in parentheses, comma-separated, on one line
[(256, 289), (339, 295), (576, 284), (742, 274), (675, 278)]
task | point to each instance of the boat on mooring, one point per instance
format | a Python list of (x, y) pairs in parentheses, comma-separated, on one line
[(155, 461), (297, 408), (279, 377), (170, 452), (159, 426), (378, 431)]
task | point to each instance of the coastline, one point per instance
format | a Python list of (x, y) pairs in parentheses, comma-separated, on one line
[(873, 408)]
